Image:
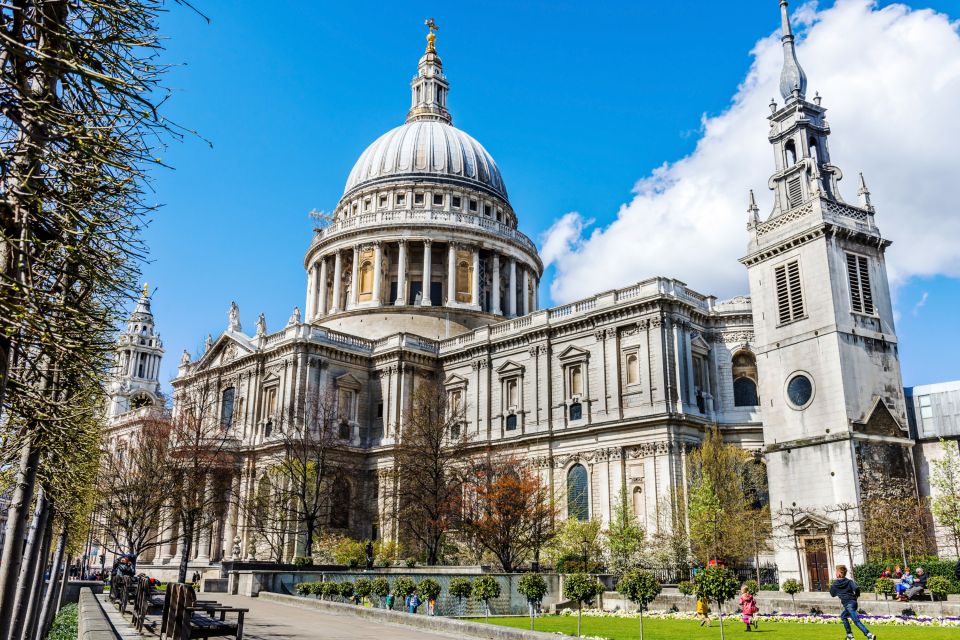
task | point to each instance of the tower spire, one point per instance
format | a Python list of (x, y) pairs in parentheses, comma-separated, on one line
[(793, 81), (429, 88)]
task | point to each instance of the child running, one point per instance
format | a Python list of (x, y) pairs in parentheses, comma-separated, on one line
[(703, 611), (848, 592), (748, 606)]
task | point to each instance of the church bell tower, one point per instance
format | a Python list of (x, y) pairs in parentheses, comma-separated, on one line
[(134, 383), (827, 355)]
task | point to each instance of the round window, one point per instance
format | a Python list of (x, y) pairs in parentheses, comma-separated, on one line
[(800, 391)]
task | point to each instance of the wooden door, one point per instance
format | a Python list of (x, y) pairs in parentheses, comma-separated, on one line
[(818, 571)]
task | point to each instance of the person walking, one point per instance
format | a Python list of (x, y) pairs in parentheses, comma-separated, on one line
[(848, 592), (703, 611), (413, 602), (390, 601), (748, 607)]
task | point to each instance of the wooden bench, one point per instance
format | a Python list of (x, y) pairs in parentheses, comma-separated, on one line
[(185, 617), (122, 591), (146, 601)]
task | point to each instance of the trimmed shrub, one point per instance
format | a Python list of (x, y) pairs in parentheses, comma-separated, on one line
[(363, 587), (792, 587), (685, 588), (301, 562), (884, 587), (461, 588), (429, 588), (403, 586), (939, 587), (752, 587), (380, 587), (532, 586), (868, 573), (486, 588), (770, 586), (64, 626)]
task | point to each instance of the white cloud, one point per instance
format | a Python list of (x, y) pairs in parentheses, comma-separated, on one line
[(920, 303), (891, 80)]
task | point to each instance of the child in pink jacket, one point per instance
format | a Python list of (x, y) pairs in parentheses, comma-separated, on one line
[(748, 606)]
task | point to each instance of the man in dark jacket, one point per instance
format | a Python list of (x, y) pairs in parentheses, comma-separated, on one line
[(918, 587), (848, 592)]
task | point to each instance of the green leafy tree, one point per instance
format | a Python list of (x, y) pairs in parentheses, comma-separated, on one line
[(686, 588), (624, 537), (939, 586), (641, 588), (945, 483), (485, 588), (753, 587), (533, 587), (728, 486), (345, 590), (429, 589), (581, 588), (792, 587), (363, 588), (380, 587), (717, 584), (403, 586), (577, 546), (461, 588)]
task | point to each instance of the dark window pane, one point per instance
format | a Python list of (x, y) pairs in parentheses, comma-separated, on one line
[(577, 502), (745, 393), (511, 422), (576, 411)]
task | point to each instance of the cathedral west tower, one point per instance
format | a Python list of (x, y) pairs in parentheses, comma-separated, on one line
[(830, 386)]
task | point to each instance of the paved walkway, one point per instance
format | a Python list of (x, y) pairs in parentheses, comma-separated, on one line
[(270, 620)]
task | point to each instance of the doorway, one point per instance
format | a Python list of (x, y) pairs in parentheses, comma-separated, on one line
[(818, 569)]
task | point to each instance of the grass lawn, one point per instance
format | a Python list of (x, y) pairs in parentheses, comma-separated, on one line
[(629, 629)]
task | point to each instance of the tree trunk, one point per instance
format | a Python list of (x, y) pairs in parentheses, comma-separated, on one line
[(53, 586), (30, 553), (186, 551), (641, 624), (35, 588), (12, 557)]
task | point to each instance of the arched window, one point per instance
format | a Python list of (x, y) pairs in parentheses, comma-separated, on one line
[(226, 407), (366, 278), (745, 380), (578, 503), (340, 504), (637, 501), (814, 150), (791, 150), (464, 281)]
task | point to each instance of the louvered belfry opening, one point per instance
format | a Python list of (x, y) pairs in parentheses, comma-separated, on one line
[(789, 292), (858, 273)]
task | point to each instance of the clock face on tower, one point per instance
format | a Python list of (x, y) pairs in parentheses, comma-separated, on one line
[(800, 391)]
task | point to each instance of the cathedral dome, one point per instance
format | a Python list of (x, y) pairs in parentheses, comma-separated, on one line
[(427, 149)]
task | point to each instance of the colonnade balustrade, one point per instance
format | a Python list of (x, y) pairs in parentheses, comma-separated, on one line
[(471, 280)]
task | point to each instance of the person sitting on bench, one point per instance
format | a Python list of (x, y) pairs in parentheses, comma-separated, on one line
[(918, 586)]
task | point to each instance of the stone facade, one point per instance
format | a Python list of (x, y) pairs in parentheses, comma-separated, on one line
[(614, 389)]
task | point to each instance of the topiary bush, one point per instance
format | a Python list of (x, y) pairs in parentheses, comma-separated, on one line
[(640, 587), (884, 587), (460, 588), (792, 587), (581, 588), (304, 588), (685, 588), (485, 588), (302, 562), (770, 586), (752, 587), (429, 588), (345, 589), (363, 587), (717, 584), (403, 586), (380, 587), (939, 587), (533, 587)]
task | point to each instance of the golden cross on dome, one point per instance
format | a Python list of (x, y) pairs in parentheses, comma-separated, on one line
[(432, 35), (431, 25), (146, 290)]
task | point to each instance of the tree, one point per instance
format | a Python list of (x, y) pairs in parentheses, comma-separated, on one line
[(717, 584), (624, 537), (786, 530), (849, 538), (581, 588), (131, 494), (429, 466), (461, 588), (380, 587), (686, 588), (909, 538), (577, 546), (510, 513), (485, 588), (641, 588), (363, 588), (792, 587), (430, 589), (533, 587), (945, 485), (728, 485), (80, 87)]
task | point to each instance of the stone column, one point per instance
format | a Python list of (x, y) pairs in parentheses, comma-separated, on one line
[(322, 288), (427, 259), (495, 280), (451, 274), (536, 294), (337, 278), (354, 278), (377, 276), (166, 533), (230, 526), (204, 535), (512, 289), (311, 292), (402, 274), (525, 300), (475, 285)]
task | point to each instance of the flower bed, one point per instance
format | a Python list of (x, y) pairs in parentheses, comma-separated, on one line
[(934, 621)]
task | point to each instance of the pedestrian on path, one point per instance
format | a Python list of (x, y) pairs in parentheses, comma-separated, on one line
[(703, 611), (848, 592), (748, 607), (413, 602)]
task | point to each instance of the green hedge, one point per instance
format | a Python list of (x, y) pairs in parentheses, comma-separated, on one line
[(867, 574), (65, 624)]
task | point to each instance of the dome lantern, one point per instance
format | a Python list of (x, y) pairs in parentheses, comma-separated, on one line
[(429, 88)]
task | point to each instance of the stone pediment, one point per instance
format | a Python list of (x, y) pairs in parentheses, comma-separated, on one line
[(510, 368), (880, 421), (453, 380), (348, 381), (573, 353), (228, 347), (811, 524), (699, 344)]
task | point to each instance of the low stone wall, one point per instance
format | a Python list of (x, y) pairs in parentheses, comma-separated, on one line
[(92, 621), (510, 602), (436, 624)]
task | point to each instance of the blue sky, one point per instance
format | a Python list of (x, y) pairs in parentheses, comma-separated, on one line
[(576, 101)]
